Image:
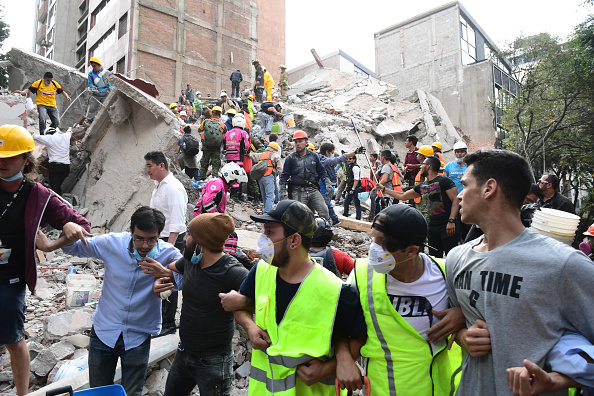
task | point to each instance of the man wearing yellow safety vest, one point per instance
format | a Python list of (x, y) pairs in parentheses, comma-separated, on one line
[(405, 303), (443, 205), (297, 305)]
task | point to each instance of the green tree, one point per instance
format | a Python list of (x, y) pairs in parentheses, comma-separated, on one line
[(4, 33)]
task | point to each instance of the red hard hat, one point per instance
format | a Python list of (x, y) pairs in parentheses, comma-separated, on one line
[(300, 135), (590, 231)]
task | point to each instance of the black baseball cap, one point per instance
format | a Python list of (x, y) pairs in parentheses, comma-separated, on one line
[(402, 222), (293, 214)]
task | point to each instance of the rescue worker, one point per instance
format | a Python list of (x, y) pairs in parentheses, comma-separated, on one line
[(256, 146), (332, 259), (437, 147), (214, 130), (45, 91), (230, 114), (267, 182), (268, 84), (250, 105), (214, 193), (99, 89), (283, 82), (353, 188), (304, 169), (389, 176), (259, 80), (226, 103), (404, 299), (236, 145), (266, 114)]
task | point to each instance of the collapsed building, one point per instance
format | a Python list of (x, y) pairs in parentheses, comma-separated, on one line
[(108, 182)]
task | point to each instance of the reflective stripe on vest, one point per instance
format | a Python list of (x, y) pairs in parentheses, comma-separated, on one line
[(304, 333), (396, 186), (400, 359), (266, 156)]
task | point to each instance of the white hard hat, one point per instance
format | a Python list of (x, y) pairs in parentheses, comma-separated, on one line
[(238, 121), (460, 146), (223, 93), (232, 171), (183, 112)]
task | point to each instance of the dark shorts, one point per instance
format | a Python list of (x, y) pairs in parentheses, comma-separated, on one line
[(12, 312)]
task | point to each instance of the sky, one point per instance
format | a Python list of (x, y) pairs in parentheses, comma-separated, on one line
[(349, 25)]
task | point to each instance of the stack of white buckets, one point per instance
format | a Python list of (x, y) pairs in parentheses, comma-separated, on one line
[(556, 224)]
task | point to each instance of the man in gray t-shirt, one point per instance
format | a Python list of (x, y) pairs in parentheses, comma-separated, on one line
[(518, 290)]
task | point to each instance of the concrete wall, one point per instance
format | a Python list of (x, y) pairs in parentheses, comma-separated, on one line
[(332, 61), (65, 36), (13, 110)]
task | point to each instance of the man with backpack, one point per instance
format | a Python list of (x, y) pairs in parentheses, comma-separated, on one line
[(389, 175), (45, 91), (267, 179), (236, 143), (214, 130), (187, 150)]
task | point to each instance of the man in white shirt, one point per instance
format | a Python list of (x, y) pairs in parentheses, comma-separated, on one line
[(170, 197), (58, 151)]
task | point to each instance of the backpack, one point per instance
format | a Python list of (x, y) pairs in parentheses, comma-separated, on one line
[(190, 145), (213, 135), (366, 184), (261, 168)]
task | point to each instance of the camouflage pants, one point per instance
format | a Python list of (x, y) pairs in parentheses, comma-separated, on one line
[(254, 190), (210, 156)]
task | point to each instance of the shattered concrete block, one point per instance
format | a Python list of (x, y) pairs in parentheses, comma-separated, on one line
[(6, 375), (119, 111), (243, 370), (34, 349), (43, 363), (78, 260), (52, 374), (62, 350), (66, 323), (78, 340), (155, 383)]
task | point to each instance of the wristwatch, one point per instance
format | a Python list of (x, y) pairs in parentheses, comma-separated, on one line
[(450, 220)]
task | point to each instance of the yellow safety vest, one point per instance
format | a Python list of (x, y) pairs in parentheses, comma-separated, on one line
[(304, 333), (400, 359)]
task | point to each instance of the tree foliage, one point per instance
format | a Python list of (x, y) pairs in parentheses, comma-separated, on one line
[(551, 119), (4, 33)]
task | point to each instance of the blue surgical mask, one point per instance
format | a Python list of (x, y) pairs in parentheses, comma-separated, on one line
[(13, 178), (196, 257), (152, 253)]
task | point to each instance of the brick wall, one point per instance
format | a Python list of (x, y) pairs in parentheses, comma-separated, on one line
[(161, 71), (271, 35), (156, 29)]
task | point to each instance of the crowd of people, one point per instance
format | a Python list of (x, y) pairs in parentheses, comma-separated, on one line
[(493, 317)]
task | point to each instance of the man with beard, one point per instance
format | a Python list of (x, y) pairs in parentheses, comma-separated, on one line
[(297, 306), (205, 353), (443, 206)]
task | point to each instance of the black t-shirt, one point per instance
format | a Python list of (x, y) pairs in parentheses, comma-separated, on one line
[(12, 234), (440, 205), (205, 328), (265, 107), (349, 316)]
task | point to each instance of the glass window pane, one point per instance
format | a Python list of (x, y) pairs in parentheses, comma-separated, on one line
[(471, 37)]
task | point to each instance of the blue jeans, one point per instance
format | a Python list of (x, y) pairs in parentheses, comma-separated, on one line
[(212, 374), (355, 198), (44, 111), (12, 312), (235, 89), (103, 361), (267, 184), (275, 189), (266, 120), (327, 199)]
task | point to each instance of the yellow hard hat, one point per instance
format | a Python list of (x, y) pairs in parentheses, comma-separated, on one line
[(217, 108), (274, 145), (231, 111), (251, 97), (425, 150), (96, 60), (172, 105), (311, 146), (438, 145), (15, 140)]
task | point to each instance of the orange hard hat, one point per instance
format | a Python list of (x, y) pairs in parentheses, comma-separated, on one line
[(300, 135), (590, 231)]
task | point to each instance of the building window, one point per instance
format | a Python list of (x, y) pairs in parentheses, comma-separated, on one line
[(123, 25), (467, 42), (99, 12), (104, 43), (121, 66)]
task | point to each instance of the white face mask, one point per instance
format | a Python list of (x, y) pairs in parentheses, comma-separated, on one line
[(459, 160), (380, 259), (265, 248)]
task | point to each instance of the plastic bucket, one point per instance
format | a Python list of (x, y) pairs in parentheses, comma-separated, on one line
[(289, 121), (79, 288), (276, 128), (556, 221), (71, 367), (107, 390), (566, 238)]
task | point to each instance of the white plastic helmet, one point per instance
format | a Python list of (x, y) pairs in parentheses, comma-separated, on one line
[(223, 93), (460, 146), (238, 121), (232, 171)]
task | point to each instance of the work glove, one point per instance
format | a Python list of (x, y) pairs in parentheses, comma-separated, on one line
[(360, 150), (351, 192)]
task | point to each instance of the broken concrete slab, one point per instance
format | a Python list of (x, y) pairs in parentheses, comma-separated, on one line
[(43, 363), (243, 370), (247, 240), (67, 323), (13, 110), (78, 340), (62, 350), (155, 383)]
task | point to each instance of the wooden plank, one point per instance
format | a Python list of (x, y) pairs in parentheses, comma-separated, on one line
[(317, 58), (40, 255), (354, 225)]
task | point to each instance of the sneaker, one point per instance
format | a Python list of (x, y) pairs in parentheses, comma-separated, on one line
[(335, 222)]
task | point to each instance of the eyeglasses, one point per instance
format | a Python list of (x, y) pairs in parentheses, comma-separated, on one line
[(543, 182), (141, 241)]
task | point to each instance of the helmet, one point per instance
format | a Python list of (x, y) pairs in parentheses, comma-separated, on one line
[(438, 145), (323, 234), (460, 146), (238, 121), (183, 113), (223, 93), (15, 140), (300, 135), (255, 62), (232, 171), (283, 66), (96, 60), (251, 97), (231, 111), (172, 105), (590, 231), (217, 108), (198, 93), (274, 145), (425, 150), (311, 147)]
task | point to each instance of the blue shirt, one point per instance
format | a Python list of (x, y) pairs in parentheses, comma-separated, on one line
[(96, 81), (127, 305), (564, 358), (329, 162), (455, 172)]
